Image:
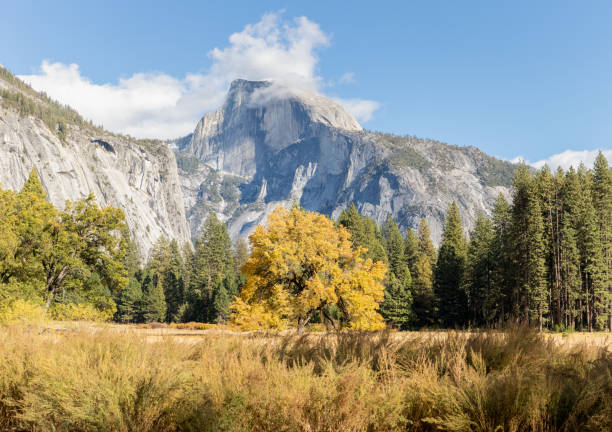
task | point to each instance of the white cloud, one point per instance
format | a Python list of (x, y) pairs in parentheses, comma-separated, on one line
[(361, 109), (347, 78), (567, 158), (160, 106)]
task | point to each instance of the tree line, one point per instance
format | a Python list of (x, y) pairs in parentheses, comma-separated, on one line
[(543, 259), (184, 283)]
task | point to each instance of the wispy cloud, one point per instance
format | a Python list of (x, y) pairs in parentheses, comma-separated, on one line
[(347, 78), (361, 109), (161, 106), (567, 158)]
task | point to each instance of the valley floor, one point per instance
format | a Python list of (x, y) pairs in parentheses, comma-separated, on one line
[(84, 377)]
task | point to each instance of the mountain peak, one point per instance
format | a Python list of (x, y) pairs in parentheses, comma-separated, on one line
[(271, 94)]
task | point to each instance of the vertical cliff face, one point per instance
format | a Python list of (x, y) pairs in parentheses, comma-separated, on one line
[(269, 146), (141, 179)]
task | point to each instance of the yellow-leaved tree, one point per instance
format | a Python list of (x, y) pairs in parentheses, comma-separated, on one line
[(302, 265)]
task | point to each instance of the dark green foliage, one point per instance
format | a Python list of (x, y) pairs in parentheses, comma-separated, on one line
[(548, 259), (602, 202), (396, 307), (364, 232), (214, 280), (480, 284), (422, 277), (128, 302), (450, 272), (153, 302)]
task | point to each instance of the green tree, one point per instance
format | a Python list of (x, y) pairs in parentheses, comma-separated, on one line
[(213, 281), (128, 302), (502, 259), (449, 273), (167, 264), (602, 202), (397, 305), (528, 250), (482, 296), (153, 303), (364, 233), (411, 250), (422, 278)]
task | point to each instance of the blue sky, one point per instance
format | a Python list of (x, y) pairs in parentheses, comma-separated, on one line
[(529, 79)]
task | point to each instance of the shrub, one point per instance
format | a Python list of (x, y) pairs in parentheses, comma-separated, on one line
[(16, 311), (126, 381), (80, 312)]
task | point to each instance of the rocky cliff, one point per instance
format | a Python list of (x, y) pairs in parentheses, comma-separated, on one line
[(75, 158), (269, 146)]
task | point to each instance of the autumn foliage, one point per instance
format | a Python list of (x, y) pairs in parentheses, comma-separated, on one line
[(302, 266)]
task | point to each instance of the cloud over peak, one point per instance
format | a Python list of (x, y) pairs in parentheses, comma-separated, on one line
[(567, 158), (156, 105)]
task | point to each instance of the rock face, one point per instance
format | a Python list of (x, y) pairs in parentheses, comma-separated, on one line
[(140, 179), (269, 146)]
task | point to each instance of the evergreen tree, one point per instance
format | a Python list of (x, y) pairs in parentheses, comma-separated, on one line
[(213, 261), (422, 281), (425, 245), (128, 301), (241, 253), (547, 189), (482, 297), (364, 233), (395, 246), (449, 273), (153, 303), (397, 304), (536, 268), (411, 250), (602, 202), (396, 307), (527, 249), (174, 283), (502, 255), (570, 256)]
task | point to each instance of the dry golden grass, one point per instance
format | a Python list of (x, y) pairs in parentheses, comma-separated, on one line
[(80, 377)]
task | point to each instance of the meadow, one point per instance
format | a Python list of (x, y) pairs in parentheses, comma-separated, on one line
[(123, 378)]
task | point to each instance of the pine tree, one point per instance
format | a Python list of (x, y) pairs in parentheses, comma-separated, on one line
[(174, 283), (213, 261), (547, 189), (241, 253), (570, 256), (33, 185), (483, 299), (411, 250), (593, 293), (364, 233), (502, 255), (528, 250), (450, 272), (425, 245), (397, 305), (128, 301), (602, 202), (422, 280), (535, 264), (395, 246), (153, 303)]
